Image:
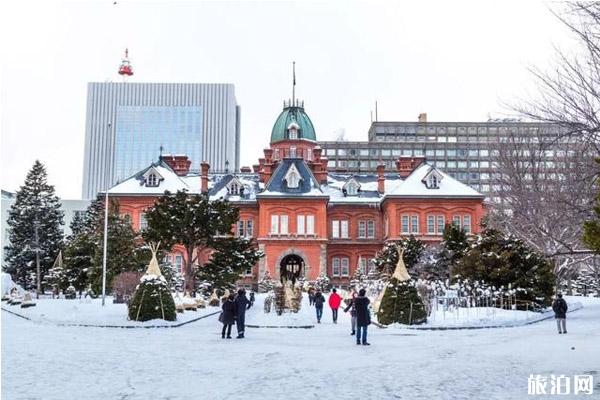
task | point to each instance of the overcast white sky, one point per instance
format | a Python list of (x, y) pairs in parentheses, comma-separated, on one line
[(453, 60)]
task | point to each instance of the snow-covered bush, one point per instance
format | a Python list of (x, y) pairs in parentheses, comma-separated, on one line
[(152, 300)]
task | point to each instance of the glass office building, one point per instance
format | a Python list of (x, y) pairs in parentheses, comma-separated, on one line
[(128, 122), (142, 131)]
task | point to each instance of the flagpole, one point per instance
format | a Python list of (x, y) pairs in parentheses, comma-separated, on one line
[(294, 84)]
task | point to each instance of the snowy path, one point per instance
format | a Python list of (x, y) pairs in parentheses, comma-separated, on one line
[(193, 362)]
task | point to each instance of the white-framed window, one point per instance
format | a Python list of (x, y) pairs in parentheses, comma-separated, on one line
[(152, 180), (293, 151), (441, 223), (431, 224), (335, 266), (275, 224), (405, 224), (305, 224), (414, 224), (178, 262), (345, 267), (366, 229), (284, 224), (467, 223), (362, 265), (143, 222), (370, 229), (344, 229), (300, 224), (240, 228), (456, 220), (339, 229), (362, 229), (249, 228)]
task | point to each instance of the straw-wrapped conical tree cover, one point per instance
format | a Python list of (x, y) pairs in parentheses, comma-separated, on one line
[(152, 298)]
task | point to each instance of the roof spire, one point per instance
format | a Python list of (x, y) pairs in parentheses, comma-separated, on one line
[(294, 84)]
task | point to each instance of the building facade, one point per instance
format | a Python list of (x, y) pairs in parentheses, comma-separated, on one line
[(465, 150), (129, 124), (306, 220)]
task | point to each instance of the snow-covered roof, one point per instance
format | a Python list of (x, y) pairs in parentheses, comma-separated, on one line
[(411, 187)]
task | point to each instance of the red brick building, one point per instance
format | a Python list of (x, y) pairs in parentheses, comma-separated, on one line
[(308, 221)]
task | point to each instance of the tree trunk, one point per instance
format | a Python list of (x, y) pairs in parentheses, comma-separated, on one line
[(189, 272)]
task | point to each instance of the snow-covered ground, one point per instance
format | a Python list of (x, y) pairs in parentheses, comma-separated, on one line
[(90, 312), (45, 361)]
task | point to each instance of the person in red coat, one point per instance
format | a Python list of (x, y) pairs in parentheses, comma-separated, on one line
[(334, 302)]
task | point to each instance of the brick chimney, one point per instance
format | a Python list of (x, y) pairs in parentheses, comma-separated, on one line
[(317, 152), (380, 179), (256, 168), (245, 170), (204, 167), (406, 165), (423, 117), (179, 163)]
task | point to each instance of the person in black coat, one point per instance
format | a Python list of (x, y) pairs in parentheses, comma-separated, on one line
[(319, 300), (241, 305), (227, 316), (363, 317), (560, 313)]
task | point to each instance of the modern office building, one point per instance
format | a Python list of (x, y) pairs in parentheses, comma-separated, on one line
[(464, 150), (130, 124)]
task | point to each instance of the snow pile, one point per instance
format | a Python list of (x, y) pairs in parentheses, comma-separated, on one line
[(90, 312), (8, 285)]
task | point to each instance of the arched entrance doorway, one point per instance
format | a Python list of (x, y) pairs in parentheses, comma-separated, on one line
[(291, 268)]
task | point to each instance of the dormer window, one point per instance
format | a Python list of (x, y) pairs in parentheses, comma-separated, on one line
[(152, 180), (351, 188), (235, 187), (292, 177), (293, 129), (432, 179)]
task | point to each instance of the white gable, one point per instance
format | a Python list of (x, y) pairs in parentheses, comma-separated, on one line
[(292, 176)]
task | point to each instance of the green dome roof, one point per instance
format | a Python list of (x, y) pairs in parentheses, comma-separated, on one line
[(293, 115)]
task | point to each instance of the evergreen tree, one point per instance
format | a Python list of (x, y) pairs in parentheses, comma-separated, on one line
[(123, 255), (56, 278), (190, 220), (78, 260), (231, 257), (387, 258), (173, 277), (152, 300), (438, 264), (401, 304), (504, 261), (36, 204)]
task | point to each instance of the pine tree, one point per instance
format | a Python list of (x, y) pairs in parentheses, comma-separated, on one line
[(504, 261), (190, 220), (78, 260), (322, 283), (438, 264), (401, 304), (231, 257), (123, 255), (36, 204), (387, 258)]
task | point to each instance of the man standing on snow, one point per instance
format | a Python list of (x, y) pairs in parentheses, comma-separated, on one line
[(241, 305), (319, 300), (363, 317), (560, 313), (334, 302)]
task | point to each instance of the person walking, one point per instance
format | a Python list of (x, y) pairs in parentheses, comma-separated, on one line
[(311, 296), (351, 307), (319, 300), (241, 305), (559, 306), (363, 317), (252, 298), (227, 316), (334, 302)]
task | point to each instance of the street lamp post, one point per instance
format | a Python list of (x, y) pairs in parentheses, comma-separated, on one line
[(36, 225), (104, 251)]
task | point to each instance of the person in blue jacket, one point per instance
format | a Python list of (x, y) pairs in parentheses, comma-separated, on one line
[(241, 305)]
